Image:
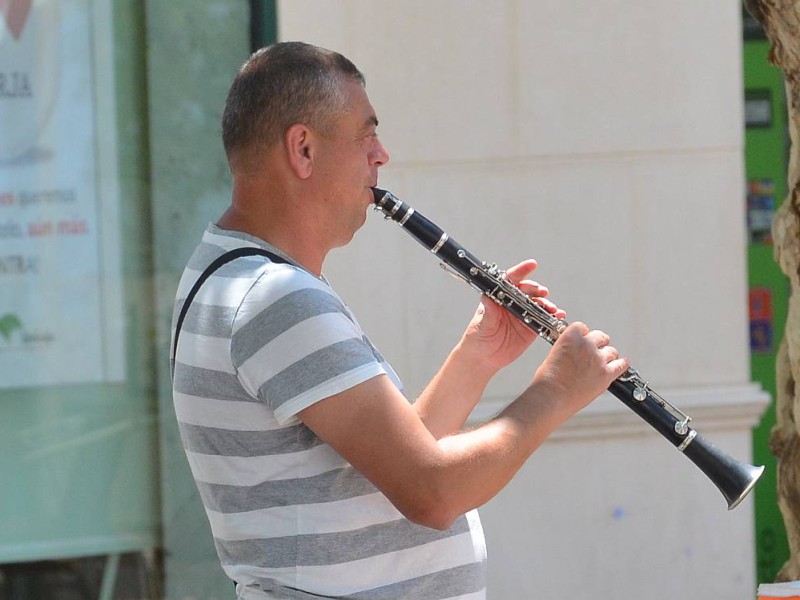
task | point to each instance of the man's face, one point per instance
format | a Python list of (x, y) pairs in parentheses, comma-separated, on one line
[(348, 163)]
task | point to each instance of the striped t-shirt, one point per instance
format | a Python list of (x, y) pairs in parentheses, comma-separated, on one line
[(290, 517)]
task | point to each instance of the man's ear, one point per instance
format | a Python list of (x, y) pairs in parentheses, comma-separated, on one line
[(299, 142)]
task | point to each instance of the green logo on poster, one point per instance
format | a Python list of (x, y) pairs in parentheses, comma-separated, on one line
[(9, 323)]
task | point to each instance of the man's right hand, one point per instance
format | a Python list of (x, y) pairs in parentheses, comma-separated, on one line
[(580, 366)]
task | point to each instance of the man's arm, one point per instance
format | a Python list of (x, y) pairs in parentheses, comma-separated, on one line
[(493, 339), (434, 481)]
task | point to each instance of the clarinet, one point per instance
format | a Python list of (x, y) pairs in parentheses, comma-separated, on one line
[(734, 479)]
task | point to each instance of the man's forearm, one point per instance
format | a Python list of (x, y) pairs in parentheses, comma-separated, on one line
[(447, 401), (477, 464)]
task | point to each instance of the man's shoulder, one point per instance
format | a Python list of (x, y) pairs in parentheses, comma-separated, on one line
[(265, 259), (255, 278), (249, 285), (217, 242)]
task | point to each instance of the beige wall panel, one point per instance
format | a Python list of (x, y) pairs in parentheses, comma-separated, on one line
[(599, 77), (605, 140)]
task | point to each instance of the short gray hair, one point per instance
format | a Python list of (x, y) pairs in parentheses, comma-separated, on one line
[(278, 86)]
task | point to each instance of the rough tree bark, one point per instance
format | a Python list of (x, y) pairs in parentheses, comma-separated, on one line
[(781, 22)]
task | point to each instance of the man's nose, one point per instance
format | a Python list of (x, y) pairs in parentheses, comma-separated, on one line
[(380, 155)]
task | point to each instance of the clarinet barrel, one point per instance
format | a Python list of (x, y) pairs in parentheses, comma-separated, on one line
[(734, 479)]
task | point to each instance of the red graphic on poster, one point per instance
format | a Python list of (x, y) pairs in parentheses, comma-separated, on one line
[(16, 13), (760, 303), (761, 329)]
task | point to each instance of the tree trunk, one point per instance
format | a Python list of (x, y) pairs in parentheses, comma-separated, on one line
[(781, 22)]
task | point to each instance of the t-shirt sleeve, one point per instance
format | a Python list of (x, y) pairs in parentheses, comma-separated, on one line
[(294, 343)]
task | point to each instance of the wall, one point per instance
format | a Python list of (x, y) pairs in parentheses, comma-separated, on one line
[(193, 50), (607, 144), (605, 140)]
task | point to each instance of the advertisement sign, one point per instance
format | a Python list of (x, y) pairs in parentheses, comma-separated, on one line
[(58, 298)]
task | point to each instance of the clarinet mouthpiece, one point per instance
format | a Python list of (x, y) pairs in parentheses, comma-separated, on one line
[(378, 194)]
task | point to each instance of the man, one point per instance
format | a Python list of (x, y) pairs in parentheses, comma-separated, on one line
[(320, 480)]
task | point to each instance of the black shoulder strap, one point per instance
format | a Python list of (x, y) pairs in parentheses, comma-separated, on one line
[(216, 264)]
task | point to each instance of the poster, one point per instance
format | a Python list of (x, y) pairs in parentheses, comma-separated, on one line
[(760, 210), (58, 299)]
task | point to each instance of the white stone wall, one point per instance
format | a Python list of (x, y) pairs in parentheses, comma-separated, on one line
[(605, 140)]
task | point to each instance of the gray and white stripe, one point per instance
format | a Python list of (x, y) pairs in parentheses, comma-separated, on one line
[(261, 342)]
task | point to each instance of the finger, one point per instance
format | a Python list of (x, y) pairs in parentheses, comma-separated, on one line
[(547, 305), (533, 288), (521, 270), (600, 338), (618, 366), (610, 352), (577, 327), (537, 292)]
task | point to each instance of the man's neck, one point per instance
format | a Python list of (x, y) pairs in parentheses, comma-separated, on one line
[(280, 229)]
